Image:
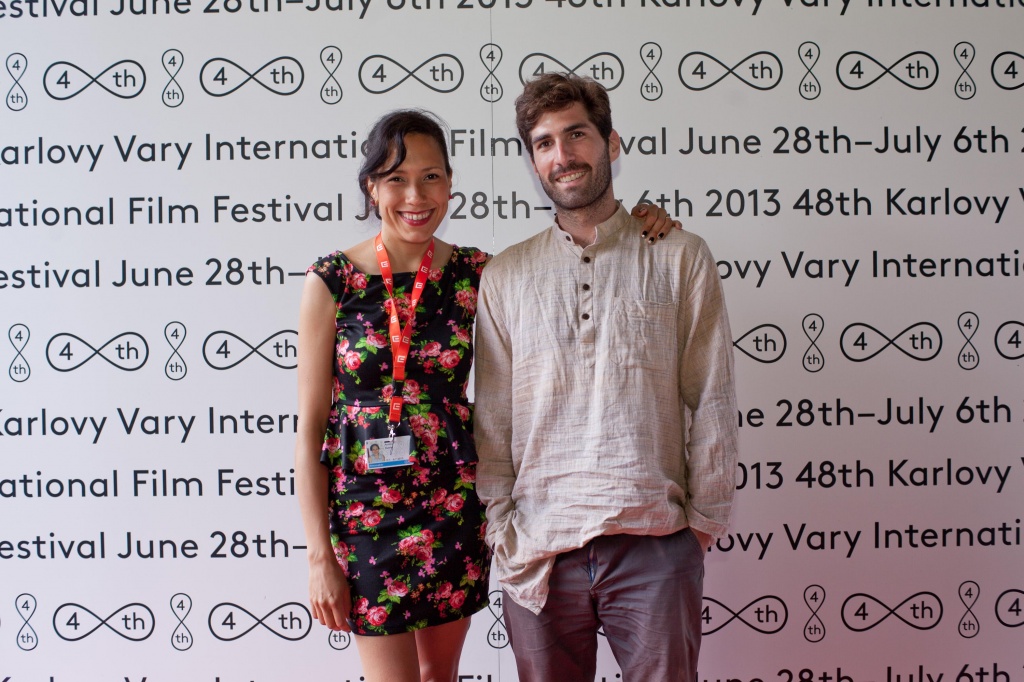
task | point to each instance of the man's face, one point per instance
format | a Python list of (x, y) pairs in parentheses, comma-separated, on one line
[(572, 160)]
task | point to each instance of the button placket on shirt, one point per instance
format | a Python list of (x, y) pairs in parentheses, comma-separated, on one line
[(585, 309)]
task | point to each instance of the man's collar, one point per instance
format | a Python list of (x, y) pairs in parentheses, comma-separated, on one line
[(606, 229)]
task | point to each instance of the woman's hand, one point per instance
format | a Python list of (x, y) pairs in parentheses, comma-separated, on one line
[(656, 221), (329, 594)]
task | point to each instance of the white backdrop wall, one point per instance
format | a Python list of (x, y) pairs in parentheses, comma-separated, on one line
[(855, 166)]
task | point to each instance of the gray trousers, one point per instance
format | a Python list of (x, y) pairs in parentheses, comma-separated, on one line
[(645, 590)]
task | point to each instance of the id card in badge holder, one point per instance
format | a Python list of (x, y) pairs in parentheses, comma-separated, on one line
[(387, 451)]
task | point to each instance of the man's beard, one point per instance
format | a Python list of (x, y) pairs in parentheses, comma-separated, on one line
[(598, 179)]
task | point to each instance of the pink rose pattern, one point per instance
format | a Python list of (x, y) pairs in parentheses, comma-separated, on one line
[(409, 538)]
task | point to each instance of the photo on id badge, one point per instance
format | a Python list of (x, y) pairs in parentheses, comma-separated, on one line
[(382, 453)]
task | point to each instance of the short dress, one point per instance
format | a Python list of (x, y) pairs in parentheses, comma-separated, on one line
[(410, 538)]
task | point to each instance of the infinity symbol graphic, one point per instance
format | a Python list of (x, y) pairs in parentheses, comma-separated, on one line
[(854, 67), (175, 368), (767, 347), (866, 342), (19, 370), (809, 54), (445, 73), (700, 71), (17, 98), (125, 79), (604, 67), (172, 95), (497, 637), (135, 625), (770, 615), (220, 77), (293, 622), (125, 355), (651, 88), (921, 615), (814, 359), (968, 325), (330, 59), (969, 626), (181, 606), (285, 349), (814, 629), (964, 86), (491, 90), (25, 605)]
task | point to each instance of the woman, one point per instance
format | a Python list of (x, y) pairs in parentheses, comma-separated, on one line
[(395, 541)]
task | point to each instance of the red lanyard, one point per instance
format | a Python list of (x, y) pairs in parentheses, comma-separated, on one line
[(401, 338)]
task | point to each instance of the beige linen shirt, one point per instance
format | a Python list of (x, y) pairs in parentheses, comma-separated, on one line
[(605, 397)]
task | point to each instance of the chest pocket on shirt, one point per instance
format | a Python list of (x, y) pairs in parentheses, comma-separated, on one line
[(642, 333)]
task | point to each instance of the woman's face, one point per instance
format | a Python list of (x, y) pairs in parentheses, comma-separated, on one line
[(413, 199)]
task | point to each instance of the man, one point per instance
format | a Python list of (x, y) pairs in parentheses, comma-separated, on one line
[(606, 414)]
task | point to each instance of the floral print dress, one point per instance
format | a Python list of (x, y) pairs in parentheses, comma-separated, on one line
[(410, 538)]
